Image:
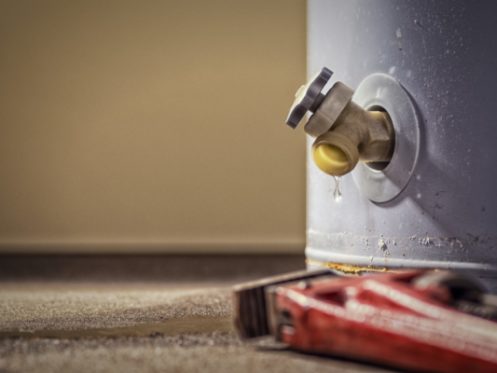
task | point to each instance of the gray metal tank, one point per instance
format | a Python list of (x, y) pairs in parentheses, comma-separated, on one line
[(444, 212)]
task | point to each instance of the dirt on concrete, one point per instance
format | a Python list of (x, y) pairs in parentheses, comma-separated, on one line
[(78, 326)]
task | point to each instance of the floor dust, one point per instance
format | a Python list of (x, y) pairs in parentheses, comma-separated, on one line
[(188, 325), (135, 327)]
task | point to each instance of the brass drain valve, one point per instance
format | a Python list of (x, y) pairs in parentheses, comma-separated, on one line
[(345, 132)]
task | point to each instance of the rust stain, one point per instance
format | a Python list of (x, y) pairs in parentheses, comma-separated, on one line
[(350, 269)]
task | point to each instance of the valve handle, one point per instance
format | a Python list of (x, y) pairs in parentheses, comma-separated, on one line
[(308, 97)]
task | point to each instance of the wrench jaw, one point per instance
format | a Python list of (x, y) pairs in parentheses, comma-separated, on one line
[(273, 313), (250, 301), (280, 319)]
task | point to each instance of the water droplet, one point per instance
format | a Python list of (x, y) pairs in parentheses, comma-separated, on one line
[(337, 193)]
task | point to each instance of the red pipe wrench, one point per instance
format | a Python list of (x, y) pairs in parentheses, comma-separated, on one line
[(423, 320)]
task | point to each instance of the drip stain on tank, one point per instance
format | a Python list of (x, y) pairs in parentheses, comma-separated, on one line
[(382, 244)]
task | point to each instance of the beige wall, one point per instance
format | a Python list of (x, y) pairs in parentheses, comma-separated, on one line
[(150, 125)]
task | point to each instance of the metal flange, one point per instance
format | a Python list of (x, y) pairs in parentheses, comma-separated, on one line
[(383, 91)]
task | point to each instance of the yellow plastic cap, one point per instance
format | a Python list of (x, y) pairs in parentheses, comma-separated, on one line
[(331, 159)]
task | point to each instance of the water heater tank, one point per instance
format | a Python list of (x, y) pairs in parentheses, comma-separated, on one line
[(432, 65)]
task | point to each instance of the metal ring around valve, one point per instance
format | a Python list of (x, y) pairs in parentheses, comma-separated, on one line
[(381, 90)]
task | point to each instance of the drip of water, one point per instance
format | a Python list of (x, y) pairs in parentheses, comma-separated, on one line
[(337, 193)]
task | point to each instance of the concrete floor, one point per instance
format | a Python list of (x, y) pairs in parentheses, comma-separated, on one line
[(132, 326)]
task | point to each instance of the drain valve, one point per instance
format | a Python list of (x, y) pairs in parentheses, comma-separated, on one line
[(345, 132)]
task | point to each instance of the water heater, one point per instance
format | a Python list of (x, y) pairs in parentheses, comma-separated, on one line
[(425, 193)]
